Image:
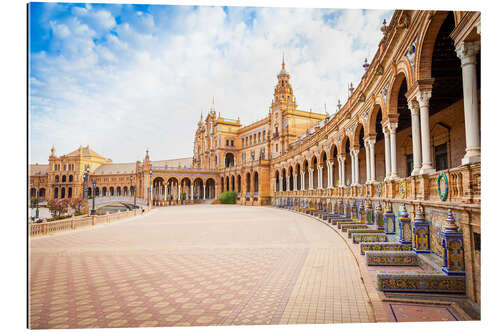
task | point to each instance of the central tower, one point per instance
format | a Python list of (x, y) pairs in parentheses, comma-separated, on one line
[(282, 107)]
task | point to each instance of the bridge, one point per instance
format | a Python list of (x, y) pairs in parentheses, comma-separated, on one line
[(127, 201)]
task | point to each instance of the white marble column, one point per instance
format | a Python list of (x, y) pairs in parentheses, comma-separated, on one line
[(341, 160), (367, 160), (192, 192), (372, 160), (355, 159), (330, 174), (302, 180), (179, 192), (295, 181), (387, 153), (311, 178), (423, 98), (320, 176), (204, 192), (415, 135), (353, 168), (394, 156), (165, 192), (288, 183), (467, 52), (281, 184)]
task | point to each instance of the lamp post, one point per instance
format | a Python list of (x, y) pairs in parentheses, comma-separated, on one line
[(149, 187), (92, 212), (37, 213), (135, 191), (86, 183)]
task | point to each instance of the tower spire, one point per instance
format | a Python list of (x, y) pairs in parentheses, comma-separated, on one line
[(283, 60)]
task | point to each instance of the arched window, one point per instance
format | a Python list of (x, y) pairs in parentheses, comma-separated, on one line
[(70, 178), (63, 193), (64, 178), (70, 192), (57, 179), (56, 193)]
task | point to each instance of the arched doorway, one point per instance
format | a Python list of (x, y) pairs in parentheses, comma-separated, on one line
[(229, 160)]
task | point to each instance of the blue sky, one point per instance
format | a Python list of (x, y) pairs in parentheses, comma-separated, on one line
[(123, 78)]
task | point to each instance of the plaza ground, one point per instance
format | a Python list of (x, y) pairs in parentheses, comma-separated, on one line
[(204, 265)]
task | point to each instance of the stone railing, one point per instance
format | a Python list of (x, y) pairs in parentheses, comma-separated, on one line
[(69, 224), (464, 187)]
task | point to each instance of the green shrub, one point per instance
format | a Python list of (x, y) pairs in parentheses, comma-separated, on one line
[(228, 197)]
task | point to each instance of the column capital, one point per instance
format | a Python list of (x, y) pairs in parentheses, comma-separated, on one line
[(467, 51), (414, 107), (423, 97), (392, 127)]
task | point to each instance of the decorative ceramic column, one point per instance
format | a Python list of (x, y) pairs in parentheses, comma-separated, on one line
[(423, 98), (415, 136), (302, 180), (192, 192), (178, 192), (394, 155), (379, 217), (372, 160), (281, 184), (467, 52), (204, 192), (295, 181), (389, 220), (404, 226), (453, 247), (288, 184), (420, 233), (362, 213), (387, 153)]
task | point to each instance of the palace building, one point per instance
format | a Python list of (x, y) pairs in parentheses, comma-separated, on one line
[(408, 136)]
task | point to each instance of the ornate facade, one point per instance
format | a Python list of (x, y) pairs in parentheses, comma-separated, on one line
[(409, 134)]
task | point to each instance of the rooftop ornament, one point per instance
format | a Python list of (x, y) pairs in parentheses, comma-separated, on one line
[(384, 27), (366, 65), (339, 105), (379, 70)]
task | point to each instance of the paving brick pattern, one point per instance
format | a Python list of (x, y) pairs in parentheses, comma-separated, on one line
[(233, 266)]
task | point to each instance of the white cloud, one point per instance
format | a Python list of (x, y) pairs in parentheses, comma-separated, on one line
[(145, 83)]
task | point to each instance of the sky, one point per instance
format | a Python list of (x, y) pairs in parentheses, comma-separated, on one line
[(126, 78)]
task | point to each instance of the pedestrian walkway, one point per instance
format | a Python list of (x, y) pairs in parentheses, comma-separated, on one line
[(197, 265)]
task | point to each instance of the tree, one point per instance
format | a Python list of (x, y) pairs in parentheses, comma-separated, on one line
[(58, 207), (77, 204)]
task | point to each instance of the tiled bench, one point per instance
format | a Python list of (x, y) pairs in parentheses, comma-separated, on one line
[(391, 258), (383, 246), (346, 226), (420, 282), (368, 237), (365, 230)]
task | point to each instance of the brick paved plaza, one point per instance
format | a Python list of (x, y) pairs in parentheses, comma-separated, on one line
[(204, 265)]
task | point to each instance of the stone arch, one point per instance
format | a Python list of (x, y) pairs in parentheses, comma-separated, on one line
[(425, 44), (394, 91), (372, 119)]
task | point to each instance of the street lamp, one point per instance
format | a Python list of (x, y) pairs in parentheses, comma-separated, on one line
[(135, 191), (150, 195), (86, 183), (37, 213), (92, 212)]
